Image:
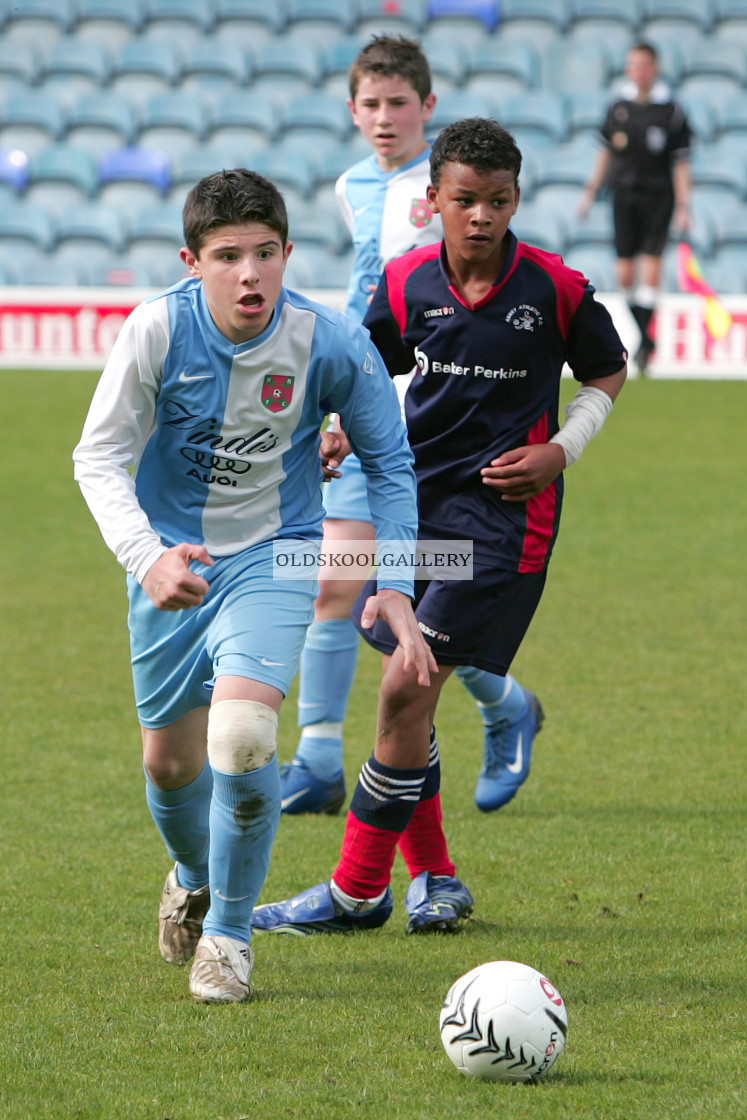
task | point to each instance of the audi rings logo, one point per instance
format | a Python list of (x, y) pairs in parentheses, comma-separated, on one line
[(210, 462)]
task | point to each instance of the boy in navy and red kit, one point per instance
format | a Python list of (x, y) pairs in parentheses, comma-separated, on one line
[(490, 323)]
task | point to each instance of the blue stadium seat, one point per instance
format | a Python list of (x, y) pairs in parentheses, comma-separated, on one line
[(155, 237), (727, 270), (537, 118), (301, 272), (603, 14), (543, 226), (462, 13), (213, 68), (293, 174), (537, 21), (23, 225), (699, 13), (319, 113), (597, 263), (320, 19), (595, 229), (91, 233), (48, 272), (499, 70), (19, 67), (131, 178), (732, 115), (448, 63), (102, 121), (730, 21), (332, 271), (702, 115), (719, 166), (31, 120), (111, 23), (287, 69), (195, 164), (716, 69), (458, 106), (143, 69), (245, 115), (336, 60), (73, 67), (585, 67), (562, 171), (314, 226), (14, 169), (38, 22), (249, 23), (119, 272), (173, 122), (390, 17), (183, 20), (61, 176), (586, 112)]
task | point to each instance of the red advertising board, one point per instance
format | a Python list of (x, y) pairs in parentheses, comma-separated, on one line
[(52, 328)]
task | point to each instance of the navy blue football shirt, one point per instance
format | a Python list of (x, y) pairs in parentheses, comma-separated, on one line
[(488, 381)]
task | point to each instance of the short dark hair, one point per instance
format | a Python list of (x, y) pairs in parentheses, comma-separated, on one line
[(230, 198), (392, 57), (648, 48), (477, 142)]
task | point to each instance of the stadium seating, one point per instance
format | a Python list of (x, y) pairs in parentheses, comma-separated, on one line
[(23, 225), (205, 84), (61, 176)]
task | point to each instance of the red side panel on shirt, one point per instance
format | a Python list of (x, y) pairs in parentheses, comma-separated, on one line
[(540, 525), (397, 273), (569, 284)]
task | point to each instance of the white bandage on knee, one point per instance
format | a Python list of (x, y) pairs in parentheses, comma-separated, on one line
[(584, 417), (242, 735)]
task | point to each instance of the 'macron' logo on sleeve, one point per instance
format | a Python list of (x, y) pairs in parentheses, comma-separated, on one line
[(277, 392)]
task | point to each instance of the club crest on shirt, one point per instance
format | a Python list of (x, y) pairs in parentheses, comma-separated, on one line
[(277, 392), (524, 318), (421, 214)]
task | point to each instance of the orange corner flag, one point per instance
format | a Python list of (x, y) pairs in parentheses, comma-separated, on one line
[(690, 279)]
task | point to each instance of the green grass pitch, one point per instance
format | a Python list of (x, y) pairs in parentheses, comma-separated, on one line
[(619, 869)]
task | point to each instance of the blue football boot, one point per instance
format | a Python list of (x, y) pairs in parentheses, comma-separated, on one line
[(315, 911), (302, 792), (436, 903), (507, 754)]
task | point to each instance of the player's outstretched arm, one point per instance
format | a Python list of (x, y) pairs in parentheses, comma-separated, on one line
[(170, 584), (395, 608)]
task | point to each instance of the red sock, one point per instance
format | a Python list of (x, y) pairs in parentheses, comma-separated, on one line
[(366, 859), (423, 843)]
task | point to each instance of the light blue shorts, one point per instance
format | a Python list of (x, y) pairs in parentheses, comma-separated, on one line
[(345, 498), (249, 625)]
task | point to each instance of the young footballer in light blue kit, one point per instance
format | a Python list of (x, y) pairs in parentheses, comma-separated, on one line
[(384, 202), (201, 450)]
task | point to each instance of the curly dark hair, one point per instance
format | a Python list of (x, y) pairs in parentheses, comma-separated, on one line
[(477, 142), (230, 198)]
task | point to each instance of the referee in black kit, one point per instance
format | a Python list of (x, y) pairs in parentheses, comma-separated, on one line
[(644, 161)]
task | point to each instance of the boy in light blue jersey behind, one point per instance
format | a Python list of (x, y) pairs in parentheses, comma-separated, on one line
[(383, 199), (200, 453)]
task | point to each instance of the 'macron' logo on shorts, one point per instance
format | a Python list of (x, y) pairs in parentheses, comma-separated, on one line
[(277, 392), (421, 214)]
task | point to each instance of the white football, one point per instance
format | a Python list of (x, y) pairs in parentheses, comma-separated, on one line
[(503, 1021)]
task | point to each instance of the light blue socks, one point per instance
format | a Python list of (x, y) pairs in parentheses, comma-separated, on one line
[(326, 676), (498, 698), (244, 817), (182, 818)]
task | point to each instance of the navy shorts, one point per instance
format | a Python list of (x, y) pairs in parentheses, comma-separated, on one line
[(641, 220), (480, 622)]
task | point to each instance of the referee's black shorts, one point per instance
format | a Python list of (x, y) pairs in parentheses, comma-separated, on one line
[(479, 622), (641, 221)]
